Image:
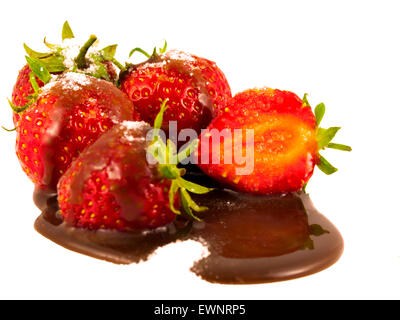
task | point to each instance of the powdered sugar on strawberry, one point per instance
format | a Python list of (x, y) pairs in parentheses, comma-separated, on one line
[(69, 81), (71, 50)]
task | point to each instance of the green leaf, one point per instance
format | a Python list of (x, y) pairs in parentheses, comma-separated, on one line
[(154, 53), (188, 150), (325, 136), (171, 153), (51, 46), (193, 205), (109, 52), (54, 63), (319, 112), (100, 72), (305, 100), (19, 109), (317, 230), (161, 150), (193, 187), (8, 130), (39, 69), (185, 205), (169, 171), (159, 118), (188, 204), (35, 54), (164, 48), (338, 146), (139, 50), (67, 32), (171, 194), (325, 166), (32, 80), (308, 244), (158, 150)]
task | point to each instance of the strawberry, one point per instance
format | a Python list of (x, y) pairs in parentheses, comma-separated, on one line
[(70, 113), (282, 147), (196, 88), (112, 185), (61, 58)]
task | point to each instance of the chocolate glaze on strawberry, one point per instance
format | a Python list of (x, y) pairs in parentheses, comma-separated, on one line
[(196, 87), (85, 145), (112, 186), (249, 239), (70, 114)]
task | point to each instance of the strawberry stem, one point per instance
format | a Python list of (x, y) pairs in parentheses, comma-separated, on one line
[(81, 58), (118, 64)]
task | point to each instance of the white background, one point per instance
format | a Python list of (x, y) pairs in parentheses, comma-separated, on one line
[(344, 53)]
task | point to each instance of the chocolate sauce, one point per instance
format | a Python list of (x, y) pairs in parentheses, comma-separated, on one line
[(250, 239)]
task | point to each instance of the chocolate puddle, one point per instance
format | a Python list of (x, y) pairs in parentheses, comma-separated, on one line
[(250, 239)]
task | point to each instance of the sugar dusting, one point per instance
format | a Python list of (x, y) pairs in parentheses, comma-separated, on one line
[(71, 50), (69, 81), (131, 128), (179, 55)]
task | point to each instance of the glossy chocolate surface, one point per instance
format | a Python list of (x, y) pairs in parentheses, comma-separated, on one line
[(250, 239)]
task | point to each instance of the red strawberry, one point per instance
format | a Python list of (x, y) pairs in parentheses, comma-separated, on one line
[(286, 142), (111, 184), (60, 58), (70, 113), (196, 88)]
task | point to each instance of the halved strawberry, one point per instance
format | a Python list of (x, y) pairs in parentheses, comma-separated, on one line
[(278, 133)]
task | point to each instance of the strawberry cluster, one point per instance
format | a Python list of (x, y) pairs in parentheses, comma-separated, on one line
[(83, 126)]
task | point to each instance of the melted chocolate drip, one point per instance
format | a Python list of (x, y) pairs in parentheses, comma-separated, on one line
[(250, 239)]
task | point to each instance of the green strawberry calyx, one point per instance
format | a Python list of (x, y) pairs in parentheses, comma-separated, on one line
[(324, 138), (167, 157), (56, 60), (44, 65)]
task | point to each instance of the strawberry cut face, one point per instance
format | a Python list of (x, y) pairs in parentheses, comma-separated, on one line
[(282, 139), (283, 150)]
